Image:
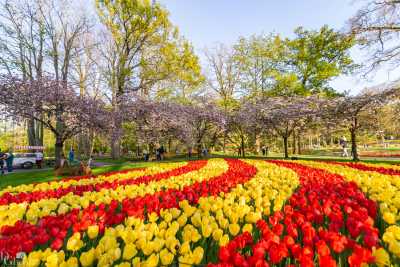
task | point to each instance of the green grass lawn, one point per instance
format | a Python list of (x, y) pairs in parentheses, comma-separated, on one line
[(48, 175)]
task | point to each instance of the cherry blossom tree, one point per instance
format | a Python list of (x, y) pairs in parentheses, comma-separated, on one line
[(357, 112), (55, 105), (283, 114), (190, 124)]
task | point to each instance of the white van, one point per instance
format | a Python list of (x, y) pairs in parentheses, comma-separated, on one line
[(24, 160)]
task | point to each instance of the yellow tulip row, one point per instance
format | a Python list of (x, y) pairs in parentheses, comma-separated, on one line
[(385, 189), (382, 165), (54, 185), (10, 214), (179, 234)]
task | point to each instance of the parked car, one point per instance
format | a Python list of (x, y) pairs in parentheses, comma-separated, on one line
[(24, 160)]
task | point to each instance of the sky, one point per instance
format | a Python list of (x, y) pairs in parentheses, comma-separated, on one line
[(207, 22)]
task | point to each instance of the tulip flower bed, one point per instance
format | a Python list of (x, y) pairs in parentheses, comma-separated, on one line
[(216, 212)]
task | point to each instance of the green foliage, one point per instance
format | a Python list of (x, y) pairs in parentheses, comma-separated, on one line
[(303, 65), (318, 56), (148, 51)]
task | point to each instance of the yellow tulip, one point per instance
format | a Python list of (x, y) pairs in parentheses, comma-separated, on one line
[(166, 257), (198, 253), (224, 240), (148, 248), (217, 234), (72, 262), (74, 243), (182, 220), (247, 228), (129, 251), (124, 264), (136, 262), (185, 248), (93, 231), (153, 217), (52, 260), (389, 217), (381, 257), (206, 230), (87, 258), (234, 229), (152, 261), (172, 244)]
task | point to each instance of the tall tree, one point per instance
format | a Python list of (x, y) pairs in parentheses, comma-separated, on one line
[(303, 65), (22, 49), (257, 57), (316, 57), (223, 79), (145, 49), (223, 74)]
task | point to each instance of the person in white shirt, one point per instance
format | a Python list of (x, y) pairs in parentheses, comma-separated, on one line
[(39, 159)]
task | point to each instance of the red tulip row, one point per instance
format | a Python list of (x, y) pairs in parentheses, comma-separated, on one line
[(327, 222), (53, 231), (30, 197), (363, 167)]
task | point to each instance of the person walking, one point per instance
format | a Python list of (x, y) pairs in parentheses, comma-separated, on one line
[(190, 152), (343, 144), (162, 152), (145, 155), (39, 159), (158, 156), (9, 161), (2, 158), (71, 156)]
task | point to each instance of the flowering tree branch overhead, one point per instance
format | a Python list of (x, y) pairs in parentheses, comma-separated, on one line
[(376, 26), (54, 104)]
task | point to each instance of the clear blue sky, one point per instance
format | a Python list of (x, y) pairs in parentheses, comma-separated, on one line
[(205, 22)]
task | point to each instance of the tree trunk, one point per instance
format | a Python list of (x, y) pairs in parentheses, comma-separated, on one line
[(294, 143), (354, 144), (257, 144), (115, 147), (116, 134), (58, 151), (298, 143), (242, 146), (224, 143), (199, 150), (31, 132), (285, 146)]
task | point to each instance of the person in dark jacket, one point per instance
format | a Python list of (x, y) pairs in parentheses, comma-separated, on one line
[(2, 158), (9, 161)]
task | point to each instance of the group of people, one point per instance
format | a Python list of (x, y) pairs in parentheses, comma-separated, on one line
[(159, 152), (8, 158)]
